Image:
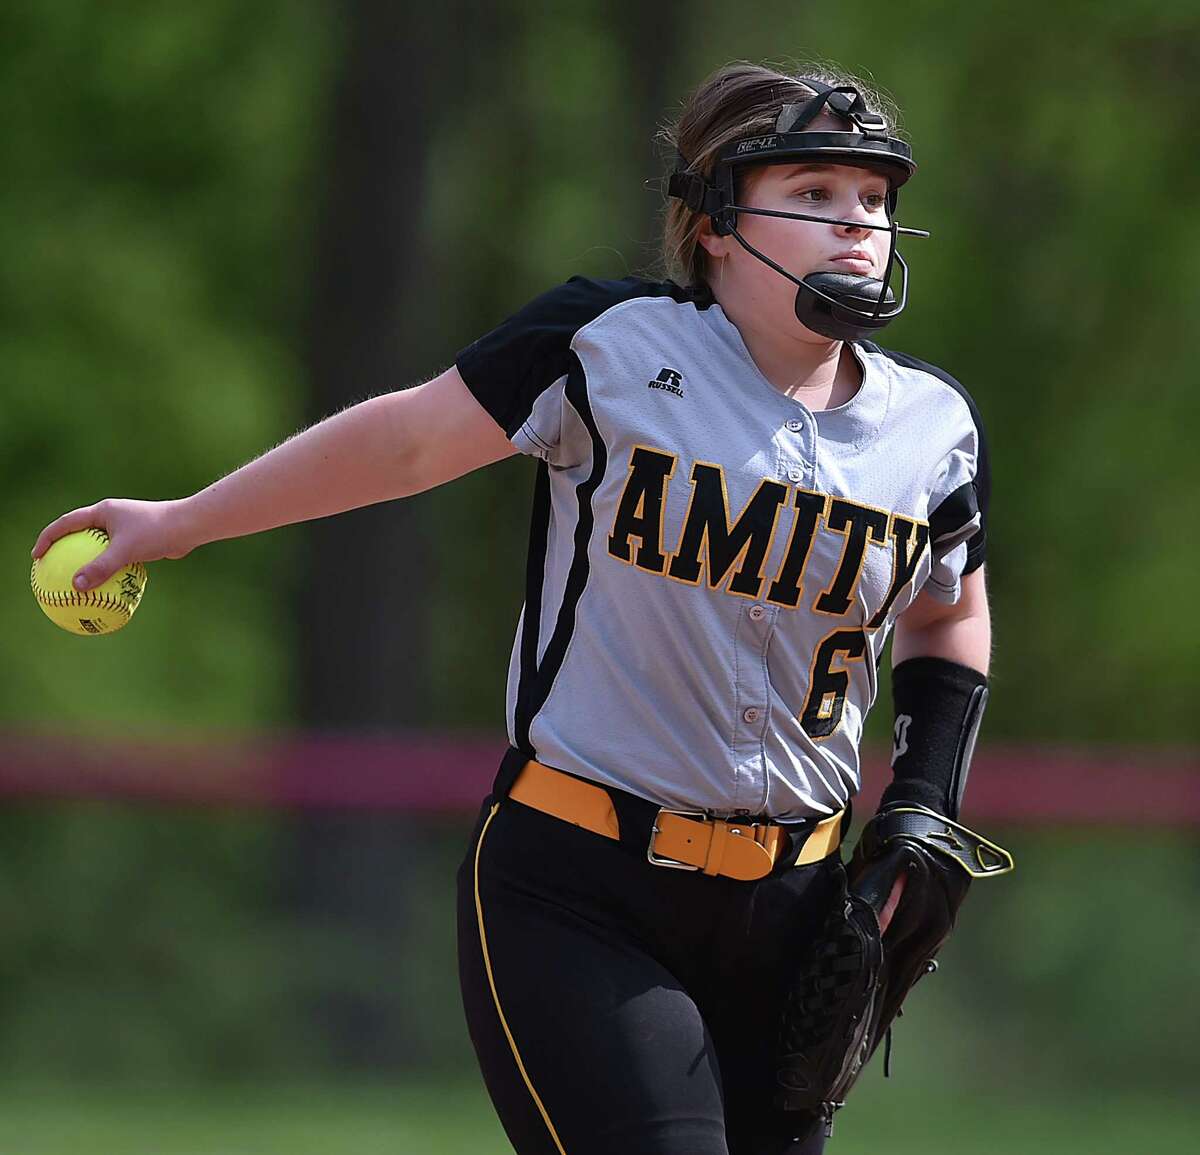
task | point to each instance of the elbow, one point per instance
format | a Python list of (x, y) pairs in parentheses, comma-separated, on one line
[(961, 632)]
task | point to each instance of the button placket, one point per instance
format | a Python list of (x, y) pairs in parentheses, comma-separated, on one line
[(761, 617), (797, 447)]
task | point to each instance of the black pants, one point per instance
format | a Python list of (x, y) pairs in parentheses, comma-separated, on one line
[(623, 1008)]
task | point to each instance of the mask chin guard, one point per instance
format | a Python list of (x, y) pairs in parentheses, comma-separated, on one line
[(845, 307), (841, 306)]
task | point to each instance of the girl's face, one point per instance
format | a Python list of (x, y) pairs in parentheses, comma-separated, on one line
[(753, 289)]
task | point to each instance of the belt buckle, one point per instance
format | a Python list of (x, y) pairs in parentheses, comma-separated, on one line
[(671, 863)]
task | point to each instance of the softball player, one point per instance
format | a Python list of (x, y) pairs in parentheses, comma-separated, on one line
[(739, 497)]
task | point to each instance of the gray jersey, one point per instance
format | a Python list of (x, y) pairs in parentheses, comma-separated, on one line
[(713, 568)]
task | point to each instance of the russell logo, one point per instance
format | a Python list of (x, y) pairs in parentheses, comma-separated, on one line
[(668, 379)]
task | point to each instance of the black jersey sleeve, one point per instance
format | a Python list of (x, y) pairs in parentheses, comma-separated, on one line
[(510, 368), (968, 502)]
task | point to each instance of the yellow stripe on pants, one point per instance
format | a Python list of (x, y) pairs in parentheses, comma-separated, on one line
[(487, 966)]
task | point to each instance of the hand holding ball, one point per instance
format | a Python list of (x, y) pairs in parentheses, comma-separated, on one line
[(102, 610)]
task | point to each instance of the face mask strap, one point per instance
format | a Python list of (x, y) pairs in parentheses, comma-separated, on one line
[(887, 276), (763, 257), (888, 228), (893, 259)]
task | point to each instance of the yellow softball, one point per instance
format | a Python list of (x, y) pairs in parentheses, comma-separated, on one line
[(101, 610)]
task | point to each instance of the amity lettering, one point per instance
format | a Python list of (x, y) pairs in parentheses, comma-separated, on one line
[(736, 552), (709, 540)]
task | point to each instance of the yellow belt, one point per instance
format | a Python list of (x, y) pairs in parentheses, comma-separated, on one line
[(686, 840)]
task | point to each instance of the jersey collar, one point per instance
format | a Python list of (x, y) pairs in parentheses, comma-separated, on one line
[(853, 424), (856, 423)]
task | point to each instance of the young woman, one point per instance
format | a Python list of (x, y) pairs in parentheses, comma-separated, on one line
[(739, 498)]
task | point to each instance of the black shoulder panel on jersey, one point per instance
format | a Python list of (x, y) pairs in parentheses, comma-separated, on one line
[(510, 367), (536, 680), (959, 507), (954, 512)]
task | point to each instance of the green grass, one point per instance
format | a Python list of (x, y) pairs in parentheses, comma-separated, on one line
[(432, 1119), (440, 1118), (996, 1124)]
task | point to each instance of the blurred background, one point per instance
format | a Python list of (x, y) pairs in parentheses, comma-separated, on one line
[(229, 833)]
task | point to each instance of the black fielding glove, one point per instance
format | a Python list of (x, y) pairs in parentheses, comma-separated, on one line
[(850, 987)]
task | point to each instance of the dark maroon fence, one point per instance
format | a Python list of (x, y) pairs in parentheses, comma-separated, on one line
[(441, 773)]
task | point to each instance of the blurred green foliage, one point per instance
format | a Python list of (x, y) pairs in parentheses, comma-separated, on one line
[(162, 180), (157, 223), (154, 217)]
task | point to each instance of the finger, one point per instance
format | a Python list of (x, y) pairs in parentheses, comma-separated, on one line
[(100, 569), (69, 522), (889, 907), (873, 879)]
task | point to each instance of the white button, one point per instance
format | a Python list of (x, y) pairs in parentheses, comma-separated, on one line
[(750, 714), (795, 475), (757, 613), (795, 426)]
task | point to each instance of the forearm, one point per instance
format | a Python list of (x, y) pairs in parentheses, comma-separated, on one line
[(354, 458), (389, 446), (940, 660)]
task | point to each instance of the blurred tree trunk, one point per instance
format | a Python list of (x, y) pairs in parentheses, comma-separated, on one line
[(653, 40), (363, 614), (366, 645), (362, 618)]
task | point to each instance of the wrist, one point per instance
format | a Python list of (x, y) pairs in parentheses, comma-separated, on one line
[(904, 791), (189, 524), (939, 706)]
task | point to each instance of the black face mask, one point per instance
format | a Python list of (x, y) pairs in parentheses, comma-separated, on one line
[(841, 306)]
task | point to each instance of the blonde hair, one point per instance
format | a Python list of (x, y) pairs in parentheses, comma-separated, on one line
[(739, 99)]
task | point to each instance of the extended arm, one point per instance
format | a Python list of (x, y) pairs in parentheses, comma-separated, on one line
[(386, 447)]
